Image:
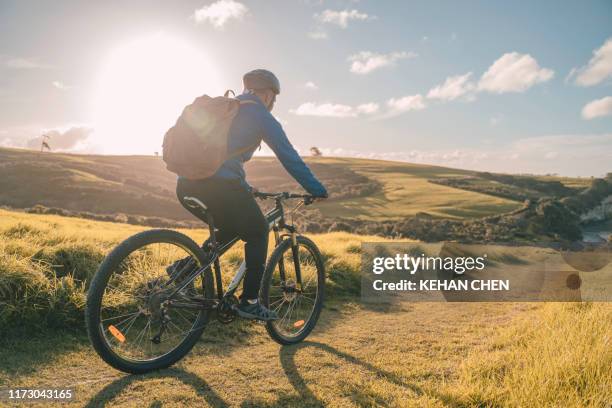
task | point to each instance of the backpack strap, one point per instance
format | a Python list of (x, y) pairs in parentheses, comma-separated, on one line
[(247, 148), (227, 94)]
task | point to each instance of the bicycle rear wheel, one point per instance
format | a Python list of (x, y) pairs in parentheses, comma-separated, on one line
[(131, 321), (298, 307)]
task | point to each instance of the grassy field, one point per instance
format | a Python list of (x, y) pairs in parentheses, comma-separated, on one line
[(406, 355), (407, 191), (140, 185)]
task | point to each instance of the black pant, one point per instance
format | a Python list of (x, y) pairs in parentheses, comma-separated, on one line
[(235, 214)]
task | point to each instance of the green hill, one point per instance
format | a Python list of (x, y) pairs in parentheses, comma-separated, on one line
[(361, 189)]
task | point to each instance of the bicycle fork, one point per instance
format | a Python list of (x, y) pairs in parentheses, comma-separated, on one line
[(294, 253)]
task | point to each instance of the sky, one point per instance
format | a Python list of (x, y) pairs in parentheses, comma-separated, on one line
[(518, 87)]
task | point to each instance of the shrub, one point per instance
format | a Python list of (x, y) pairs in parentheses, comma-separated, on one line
[(344, 278), (21, 231), (28, 298), (554, 217), (79, 261)]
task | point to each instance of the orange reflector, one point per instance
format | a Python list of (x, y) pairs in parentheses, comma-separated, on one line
[(115, 332), (299, 323)]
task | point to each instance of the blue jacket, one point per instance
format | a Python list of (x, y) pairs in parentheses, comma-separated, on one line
[(255, 123)]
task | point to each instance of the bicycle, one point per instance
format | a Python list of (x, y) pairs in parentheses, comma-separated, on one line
[(140, 318)]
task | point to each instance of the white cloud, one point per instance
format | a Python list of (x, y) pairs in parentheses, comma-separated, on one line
[(21, 63), (62, 140), (220, 12), (405, 104), (342, 17), (598, 69), (394, 107), (331, 110), (598, 108), (513, 72), (365, 62), (453, 88), (452, 158), (563, 152), (368, 108), (311, 85), (69, 138), (335, 110), (60, 85)]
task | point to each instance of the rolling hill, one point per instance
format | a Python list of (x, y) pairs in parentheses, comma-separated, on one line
[(412, 354), (371, 190)]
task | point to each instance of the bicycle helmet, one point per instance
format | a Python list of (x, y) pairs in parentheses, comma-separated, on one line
[(261, 79)]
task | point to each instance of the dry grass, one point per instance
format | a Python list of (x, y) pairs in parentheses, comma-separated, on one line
[(409, 355), (418, 355), (558, 357), (46, 262)]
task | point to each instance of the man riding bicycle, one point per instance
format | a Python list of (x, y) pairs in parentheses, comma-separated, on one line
[(228, 196)]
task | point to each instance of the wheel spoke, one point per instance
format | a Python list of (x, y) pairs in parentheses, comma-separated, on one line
[(142, 334), (275, 302), (129, 319), (131, 324), (120, 316), (134, 289), (279, 306), (182, 316)]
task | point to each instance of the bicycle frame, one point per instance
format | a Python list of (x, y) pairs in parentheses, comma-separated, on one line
[(276, 221)]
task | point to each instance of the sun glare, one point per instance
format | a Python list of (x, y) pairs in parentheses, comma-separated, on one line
[(143, 86)]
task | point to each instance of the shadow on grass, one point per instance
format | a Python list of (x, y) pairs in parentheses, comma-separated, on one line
[(115, 388), (305, 397), (23, 352)]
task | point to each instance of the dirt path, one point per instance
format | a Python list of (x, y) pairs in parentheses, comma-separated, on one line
[(356, 356)]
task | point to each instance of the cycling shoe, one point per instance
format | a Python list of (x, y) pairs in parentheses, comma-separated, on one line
[(255, 311)]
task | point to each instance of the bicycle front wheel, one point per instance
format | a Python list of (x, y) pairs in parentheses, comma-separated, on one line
[(293, 286)]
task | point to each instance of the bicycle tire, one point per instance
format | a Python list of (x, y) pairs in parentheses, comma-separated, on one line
[(100, 281), (276, 256)]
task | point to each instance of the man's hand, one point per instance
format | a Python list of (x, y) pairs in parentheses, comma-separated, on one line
[(312, 199)]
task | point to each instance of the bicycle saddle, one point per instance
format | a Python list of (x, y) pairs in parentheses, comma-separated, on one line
[(194, 203)]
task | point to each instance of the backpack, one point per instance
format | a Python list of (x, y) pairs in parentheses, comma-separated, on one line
[(196, 146)]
